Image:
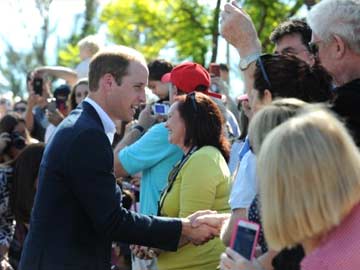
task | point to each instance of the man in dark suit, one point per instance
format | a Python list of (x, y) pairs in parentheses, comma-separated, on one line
[(77, 212)]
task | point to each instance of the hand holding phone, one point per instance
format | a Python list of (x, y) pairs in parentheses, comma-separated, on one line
[(245, 237), (38, 86)]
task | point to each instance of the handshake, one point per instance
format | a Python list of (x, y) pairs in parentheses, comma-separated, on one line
[(198, 228)]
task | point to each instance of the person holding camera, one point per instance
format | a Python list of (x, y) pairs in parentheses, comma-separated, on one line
[(38, 86), (13, 138)]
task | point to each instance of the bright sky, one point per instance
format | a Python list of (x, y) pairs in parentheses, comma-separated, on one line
[(20, 22)]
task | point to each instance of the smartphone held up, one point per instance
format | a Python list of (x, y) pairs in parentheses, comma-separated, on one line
[(38, 86), (245, 237)]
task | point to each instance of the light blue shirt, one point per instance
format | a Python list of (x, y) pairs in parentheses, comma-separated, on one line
[(109, 126), (245, 185), (155, 157)]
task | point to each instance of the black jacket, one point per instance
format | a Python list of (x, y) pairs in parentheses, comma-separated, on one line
[(77, 212)]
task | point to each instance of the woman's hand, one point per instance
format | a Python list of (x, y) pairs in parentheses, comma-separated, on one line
[(231, 260)]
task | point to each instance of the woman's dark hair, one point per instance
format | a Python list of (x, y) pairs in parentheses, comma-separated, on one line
[(26, 169), (243, 125), (288, 76), (10, 121), (204, 123), (72, 99)]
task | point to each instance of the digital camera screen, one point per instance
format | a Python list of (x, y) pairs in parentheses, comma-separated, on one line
[(159, 108), (244, 241)]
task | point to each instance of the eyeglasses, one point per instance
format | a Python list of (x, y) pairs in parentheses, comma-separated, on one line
[(260, 64), (314, 46), (192, 97)]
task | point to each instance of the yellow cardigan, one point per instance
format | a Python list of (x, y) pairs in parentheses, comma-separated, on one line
[(202, 183)]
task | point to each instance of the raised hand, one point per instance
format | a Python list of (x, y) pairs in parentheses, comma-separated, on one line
[(239, 30)]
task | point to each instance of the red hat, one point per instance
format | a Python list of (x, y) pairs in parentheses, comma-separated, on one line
[(188, 76)]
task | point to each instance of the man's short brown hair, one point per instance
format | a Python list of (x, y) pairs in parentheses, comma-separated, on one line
[(114, 60)]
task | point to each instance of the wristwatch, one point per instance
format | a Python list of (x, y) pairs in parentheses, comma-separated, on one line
[(139, 128), (247, 60)]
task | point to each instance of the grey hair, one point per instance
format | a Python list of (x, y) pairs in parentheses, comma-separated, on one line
[(337, 17)]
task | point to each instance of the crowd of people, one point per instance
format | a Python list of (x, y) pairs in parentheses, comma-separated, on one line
[(150, 166)]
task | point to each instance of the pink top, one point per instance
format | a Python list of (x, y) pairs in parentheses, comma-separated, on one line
[(341, 248)]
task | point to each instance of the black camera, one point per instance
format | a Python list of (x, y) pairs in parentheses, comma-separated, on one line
[(16, 140)]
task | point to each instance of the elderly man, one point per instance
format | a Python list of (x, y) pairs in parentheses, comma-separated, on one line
[(336, 42)]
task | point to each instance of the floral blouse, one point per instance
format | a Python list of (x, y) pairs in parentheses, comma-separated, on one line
[(7, 222)]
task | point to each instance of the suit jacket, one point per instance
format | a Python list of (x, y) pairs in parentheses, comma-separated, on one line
[(77, 211)]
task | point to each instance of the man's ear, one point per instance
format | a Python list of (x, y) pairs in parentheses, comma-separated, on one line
[(340, 46), (267, 97), (107, 81)]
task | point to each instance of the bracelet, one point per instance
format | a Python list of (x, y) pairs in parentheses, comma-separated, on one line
[(139, 128)]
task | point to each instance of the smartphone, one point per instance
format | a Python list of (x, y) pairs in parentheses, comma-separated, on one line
[(214, 70), (160, 108), (38, 86), (51, 104), (245, 237)]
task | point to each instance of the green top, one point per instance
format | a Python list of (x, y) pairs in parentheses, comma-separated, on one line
[(202, 183)]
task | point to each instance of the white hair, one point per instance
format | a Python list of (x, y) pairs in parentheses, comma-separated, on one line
[(337, 17)]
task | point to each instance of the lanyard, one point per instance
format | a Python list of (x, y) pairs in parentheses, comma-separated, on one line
[(172, 177)]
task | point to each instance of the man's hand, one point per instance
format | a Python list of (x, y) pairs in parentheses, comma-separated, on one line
[(212, 219), (239, 30), (198, 234)]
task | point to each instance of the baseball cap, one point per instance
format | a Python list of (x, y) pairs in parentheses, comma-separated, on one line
[(188, 77)]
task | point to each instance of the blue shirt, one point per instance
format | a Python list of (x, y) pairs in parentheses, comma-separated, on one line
[(155, 157)]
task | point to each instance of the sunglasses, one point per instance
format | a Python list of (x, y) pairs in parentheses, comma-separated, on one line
[(79, 95), (192, 98), (260, 64), (314, 47)]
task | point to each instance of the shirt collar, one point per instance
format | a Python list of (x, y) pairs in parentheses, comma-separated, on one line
[(109, 126)]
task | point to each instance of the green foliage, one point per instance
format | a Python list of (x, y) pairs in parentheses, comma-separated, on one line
[(152, 25), (267, 15), (185, 25), (68, 55)]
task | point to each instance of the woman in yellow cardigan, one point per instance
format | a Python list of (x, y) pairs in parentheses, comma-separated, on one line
[(201, 180)]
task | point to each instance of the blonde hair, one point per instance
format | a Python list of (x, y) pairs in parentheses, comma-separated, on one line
[(90, 43), (309, 178), (271, 116)]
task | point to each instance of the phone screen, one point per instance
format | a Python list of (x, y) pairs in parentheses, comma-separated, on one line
[(245, 239), (38, 85)]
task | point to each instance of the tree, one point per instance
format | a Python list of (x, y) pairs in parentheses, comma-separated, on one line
[(68, 55), (187, 26), (152, 25), (18, 63)]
